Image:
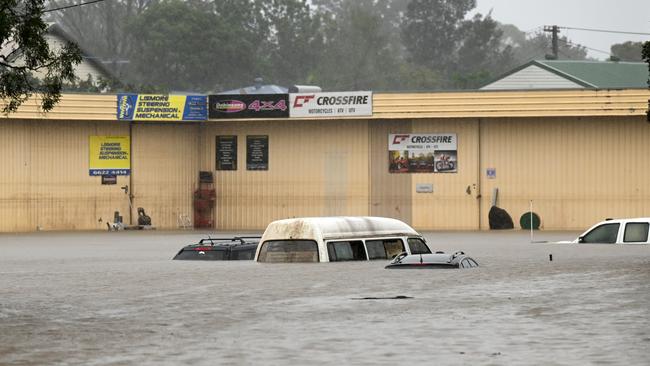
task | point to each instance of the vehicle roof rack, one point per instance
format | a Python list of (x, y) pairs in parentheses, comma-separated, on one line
[(240, 239)]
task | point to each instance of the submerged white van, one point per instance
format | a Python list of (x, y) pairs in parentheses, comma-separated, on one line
[(332, 239)]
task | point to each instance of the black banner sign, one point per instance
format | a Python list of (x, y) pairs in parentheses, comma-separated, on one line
[(226, 152), (249, 106), (257, 152)]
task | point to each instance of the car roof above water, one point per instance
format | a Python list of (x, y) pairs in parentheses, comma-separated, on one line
[(338, 227)]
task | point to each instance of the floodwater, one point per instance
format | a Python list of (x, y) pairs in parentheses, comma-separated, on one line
[(118, 299)]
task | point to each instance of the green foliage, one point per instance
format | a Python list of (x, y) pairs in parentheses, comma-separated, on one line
[(628, 51), (208, 46), (465, 52), (431, 30), (356, 54), (187, 47), (26, 53), (645, 56), (295, 43)]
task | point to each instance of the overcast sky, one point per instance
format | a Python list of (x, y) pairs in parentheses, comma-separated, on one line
[(618, 15)]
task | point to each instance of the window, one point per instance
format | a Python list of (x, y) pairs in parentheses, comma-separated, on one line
[(384, 249), (283, 251), (242, 254), (208, 254), (602, 234), (346, 251), (636, 232), (418, 246)]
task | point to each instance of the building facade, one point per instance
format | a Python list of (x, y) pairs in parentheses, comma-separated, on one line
[(578, 155)]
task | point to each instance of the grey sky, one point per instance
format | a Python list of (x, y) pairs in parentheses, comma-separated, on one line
[(619, 15)]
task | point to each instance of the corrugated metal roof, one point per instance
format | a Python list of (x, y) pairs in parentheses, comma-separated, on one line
[(546, 103), (604, 74), (588, 74)]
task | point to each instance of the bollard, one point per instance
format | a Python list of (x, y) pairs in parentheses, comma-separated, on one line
[(550, 257)]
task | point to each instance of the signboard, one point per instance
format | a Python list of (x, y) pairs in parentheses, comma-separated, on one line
[(249, 106), (257, 152), (424, 188), (356, 103), (226, 153), (422, 153), (109, 155), (109, 179), (158, 107)]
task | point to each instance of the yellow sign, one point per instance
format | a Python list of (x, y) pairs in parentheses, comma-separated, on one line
[(159, 107), (110, 155)]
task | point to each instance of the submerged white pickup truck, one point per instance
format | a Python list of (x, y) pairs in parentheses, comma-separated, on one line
[(617, 231)]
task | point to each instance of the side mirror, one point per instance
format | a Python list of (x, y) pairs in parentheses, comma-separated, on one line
[(581, 239)]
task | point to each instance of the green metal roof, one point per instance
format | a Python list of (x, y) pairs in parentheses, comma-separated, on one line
[(600, 74)]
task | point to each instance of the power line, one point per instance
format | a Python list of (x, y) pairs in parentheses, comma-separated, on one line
[(73, 6), (605, 31)]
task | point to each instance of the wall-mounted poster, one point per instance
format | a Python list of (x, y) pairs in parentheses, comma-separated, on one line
[(257, 152), (249, 106), (226, 152), (422, 153), (109, 155)]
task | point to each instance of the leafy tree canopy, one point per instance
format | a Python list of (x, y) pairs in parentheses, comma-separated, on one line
[(25, 52), (628, 51)]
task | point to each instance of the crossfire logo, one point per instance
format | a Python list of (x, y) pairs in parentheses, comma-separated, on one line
[(399, 138), (301, 100)]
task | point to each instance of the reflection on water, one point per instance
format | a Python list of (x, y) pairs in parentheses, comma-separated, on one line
[(118, 299)]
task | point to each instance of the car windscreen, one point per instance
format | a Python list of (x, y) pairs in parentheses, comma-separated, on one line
[(418, 246), (285, 251)]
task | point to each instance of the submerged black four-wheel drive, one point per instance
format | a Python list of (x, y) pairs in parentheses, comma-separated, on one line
[(221, 249)]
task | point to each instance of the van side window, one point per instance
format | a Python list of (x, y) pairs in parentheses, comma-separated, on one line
[(346, 251), (636, 232), (384, 248), (418, 246), (283, 251), (602, 234)]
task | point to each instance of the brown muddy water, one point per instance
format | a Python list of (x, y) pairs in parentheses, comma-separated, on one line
[(119, 299)]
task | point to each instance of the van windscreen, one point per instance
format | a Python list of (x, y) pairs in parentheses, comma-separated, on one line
[(286, 251)]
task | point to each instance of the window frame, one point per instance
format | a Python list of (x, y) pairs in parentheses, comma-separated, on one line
[(330, 246), (383, 244), (647, 231), (423, 242), (264, 244), (618, 230)]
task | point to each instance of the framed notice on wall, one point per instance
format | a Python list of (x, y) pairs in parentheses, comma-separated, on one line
[(226, 152), (257, 152)]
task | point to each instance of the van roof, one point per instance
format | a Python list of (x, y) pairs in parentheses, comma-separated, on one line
[(335, 227)]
